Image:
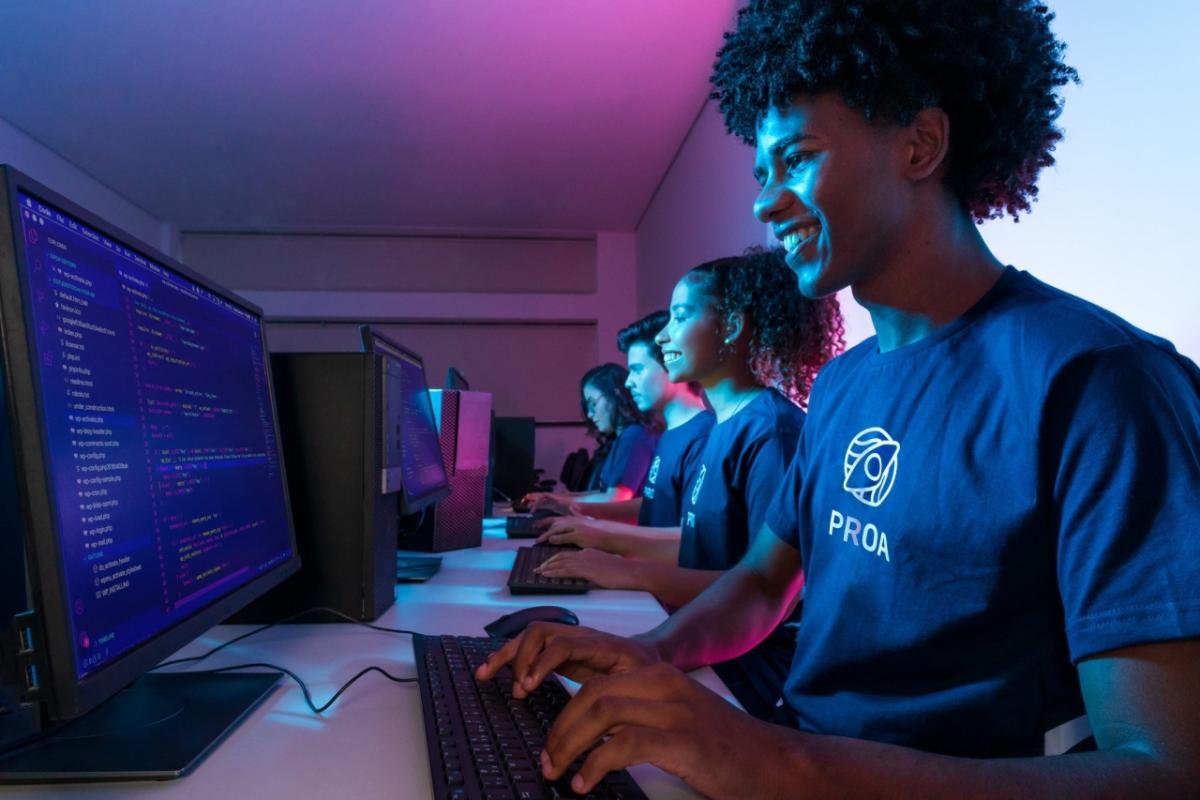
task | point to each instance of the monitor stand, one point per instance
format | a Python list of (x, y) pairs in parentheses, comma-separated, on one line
[(157, 728)]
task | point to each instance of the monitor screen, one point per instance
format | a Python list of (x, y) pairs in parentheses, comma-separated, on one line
[(406, 400), (158, 429)]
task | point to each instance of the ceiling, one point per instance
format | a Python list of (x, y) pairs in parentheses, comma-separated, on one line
[(353, 115)]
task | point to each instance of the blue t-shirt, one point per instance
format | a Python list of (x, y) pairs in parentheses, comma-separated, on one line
[(629, 459), (981, 509), (740, 466), (672, 471)]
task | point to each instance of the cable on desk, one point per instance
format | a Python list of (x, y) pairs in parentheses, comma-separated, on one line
[(297, 615), (304, 687)]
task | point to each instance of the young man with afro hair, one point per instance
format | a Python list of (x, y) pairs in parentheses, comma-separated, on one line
[(996, 499)]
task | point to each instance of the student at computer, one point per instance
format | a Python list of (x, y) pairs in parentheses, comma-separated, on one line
[(626, 435), (647, 526), (741, 329), (996, 498)]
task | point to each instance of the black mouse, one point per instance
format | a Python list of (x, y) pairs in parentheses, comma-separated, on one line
[(510, 625)]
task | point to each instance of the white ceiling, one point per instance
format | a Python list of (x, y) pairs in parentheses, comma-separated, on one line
[(470, 115)]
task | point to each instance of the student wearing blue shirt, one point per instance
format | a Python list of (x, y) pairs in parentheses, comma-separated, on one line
[(681, 405), (741, 329), (626, 437), (996, 498)]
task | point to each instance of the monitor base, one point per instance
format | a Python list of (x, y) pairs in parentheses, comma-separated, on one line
[(157, 728)]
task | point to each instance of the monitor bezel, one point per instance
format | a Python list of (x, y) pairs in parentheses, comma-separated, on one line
[(66, 694), (408, 504), (456, 381)]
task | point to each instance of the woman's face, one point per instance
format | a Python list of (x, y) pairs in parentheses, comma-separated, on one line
[(691, 342), (599, 409)]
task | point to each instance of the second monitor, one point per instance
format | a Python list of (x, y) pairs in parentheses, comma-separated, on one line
[(459, 424)]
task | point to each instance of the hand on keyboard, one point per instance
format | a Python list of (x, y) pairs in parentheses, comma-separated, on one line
[(580, 531), (657, 714), (602, 569), (576, 652)]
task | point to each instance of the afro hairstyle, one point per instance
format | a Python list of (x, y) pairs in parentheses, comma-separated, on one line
[(993, 66)]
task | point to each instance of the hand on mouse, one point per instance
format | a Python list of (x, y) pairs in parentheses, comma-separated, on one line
[(606, 570), (576, 652)]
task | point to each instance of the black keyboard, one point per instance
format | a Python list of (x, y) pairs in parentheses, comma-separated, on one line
[(483, 742), (523, 579), (522, 526)]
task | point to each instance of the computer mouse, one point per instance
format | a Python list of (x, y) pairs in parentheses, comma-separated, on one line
[(510, 625)]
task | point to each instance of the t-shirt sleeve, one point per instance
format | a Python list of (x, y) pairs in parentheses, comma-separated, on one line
[(770, 465), (1122, 455), (630, 459), (783, 515), (689, 463)]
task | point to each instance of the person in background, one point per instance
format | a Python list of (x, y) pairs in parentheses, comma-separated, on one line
[(740, 328), (995, 499), (646, 527), (626, 438)]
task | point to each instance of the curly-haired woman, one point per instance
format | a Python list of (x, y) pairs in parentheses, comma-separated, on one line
[(995, 499), (739, 328)]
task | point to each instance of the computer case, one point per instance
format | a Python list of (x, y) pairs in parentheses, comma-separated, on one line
[(464, 422), (514, 449), (331, 417)]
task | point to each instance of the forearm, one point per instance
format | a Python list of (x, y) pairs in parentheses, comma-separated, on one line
[(625, 511), (649, 544), (605, 497), (737, 611), (843, 767), (673, 585)]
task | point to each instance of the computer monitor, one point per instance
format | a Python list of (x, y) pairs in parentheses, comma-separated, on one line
[(144, 497), (456, 380), (422, 473)]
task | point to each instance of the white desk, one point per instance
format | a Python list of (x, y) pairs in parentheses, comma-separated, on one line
[(371, 743)]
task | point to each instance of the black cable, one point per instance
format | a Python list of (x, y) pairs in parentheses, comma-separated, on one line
[(303, 687), (262, 628)]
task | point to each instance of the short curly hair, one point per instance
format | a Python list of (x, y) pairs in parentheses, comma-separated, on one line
[(993, 66), (791, 336)]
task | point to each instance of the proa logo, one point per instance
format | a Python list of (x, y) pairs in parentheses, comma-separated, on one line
[(871, 463), (699, 483), (653, 476)]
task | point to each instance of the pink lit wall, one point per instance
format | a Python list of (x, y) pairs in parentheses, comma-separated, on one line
[(700, 211)]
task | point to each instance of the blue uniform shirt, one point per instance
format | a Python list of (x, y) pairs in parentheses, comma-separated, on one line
[(979, 510), (629, 459), (740, 467), (672, 471)]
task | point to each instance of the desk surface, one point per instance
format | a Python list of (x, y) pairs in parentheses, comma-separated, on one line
[(371, 743)]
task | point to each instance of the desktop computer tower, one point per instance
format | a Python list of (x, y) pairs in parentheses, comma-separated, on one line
[(513, 456), (331, 420), (464, 422)]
